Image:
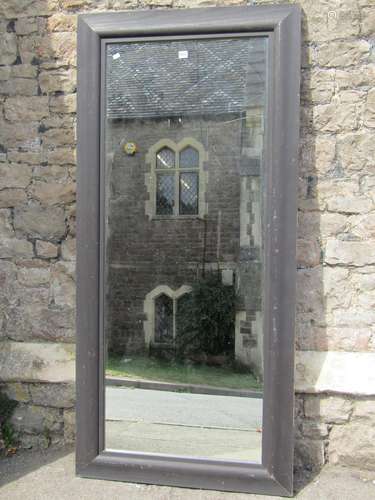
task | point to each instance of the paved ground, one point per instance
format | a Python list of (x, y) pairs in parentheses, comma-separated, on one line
[(50, 476), (144, 405), (183, 423)]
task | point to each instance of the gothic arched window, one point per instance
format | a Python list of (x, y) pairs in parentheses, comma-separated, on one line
[(161, 307), (164, 318), (177, 182)]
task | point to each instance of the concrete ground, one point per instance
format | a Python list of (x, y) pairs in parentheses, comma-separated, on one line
[(202, 425), (49, 475)]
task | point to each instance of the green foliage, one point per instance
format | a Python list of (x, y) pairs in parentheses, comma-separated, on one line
[(206, 319), (7, 407), (9, 435), (142, 367), (47, 435)]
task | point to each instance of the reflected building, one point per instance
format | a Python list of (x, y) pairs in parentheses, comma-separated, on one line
[(184, 144)]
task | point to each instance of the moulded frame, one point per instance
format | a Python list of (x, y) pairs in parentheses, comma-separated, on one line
[(281, 24)]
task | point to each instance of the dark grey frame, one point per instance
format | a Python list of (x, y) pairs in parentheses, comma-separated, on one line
[(275, 475)]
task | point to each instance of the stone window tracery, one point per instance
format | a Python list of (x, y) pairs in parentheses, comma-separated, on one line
[(161, 308), (177, 180)]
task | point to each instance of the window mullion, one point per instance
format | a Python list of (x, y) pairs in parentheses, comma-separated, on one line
[(174, 318), (177, 182), (177, 192)]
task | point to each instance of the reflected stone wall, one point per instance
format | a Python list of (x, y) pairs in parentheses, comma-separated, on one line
[(145, 252)]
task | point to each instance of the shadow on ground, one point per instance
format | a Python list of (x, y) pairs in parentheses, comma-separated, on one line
[(50, 475), (25, 462)]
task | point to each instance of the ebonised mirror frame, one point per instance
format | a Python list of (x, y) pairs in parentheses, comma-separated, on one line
[(281, 24)]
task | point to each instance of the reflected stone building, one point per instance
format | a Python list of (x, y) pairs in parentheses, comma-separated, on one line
[(184, 153)]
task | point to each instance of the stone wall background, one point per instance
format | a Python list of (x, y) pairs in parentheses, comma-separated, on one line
[(335, 380)]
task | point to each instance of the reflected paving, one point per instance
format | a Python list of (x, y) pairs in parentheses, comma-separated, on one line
[(183, 423)]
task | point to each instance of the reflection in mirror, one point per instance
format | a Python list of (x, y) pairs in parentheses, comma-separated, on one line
[(184, 136)]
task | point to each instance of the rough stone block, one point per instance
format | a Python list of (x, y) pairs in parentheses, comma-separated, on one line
[(14, 176), (8, 274), (19, 86), (26, 108), (28, 157), (68, 249), (73, 4), (365, 281), (61, 46), (309, 291), (58, 137), (25, 26), (36, 419), (336, 116), (314, 430), (33, 277), (122, 4), (353, 253), (46, 250), (330, 20), (321, 224), (349, 79), (38, 222), (369, 118), (59, 121), (64, 104), (329, 409), (55, 395), (355, 317), (69, 425), (340, 372), (6, 229), (53, 193), (24, 71), (25, 135), (10, 9), (8, 48), (63, 284), (50, 174), (4, 73), (28, 48), (308, 253), (352, 444), (350, 204), (61, 156), (15, 248), (317, 86), (363, 145), (17, 391), (61, 81), (40, 322), (362, 226), (344, 338), (62, 22), (364, 409), (343, 53), (36, 362), (28, 441), (308, 454), (368, 21)]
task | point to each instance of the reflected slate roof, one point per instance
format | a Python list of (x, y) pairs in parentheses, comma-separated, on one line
[(191, 77)]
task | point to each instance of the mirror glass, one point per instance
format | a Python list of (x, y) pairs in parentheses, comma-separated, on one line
[(184, 125)]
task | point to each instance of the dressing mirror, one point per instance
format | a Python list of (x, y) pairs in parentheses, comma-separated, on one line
[(187, 139)]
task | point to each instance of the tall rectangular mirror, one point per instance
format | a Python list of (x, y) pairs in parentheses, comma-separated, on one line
[(184, 137), (186, 247)]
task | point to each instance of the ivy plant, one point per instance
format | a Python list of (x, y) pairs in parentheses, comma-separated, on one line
[(206, 319)]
